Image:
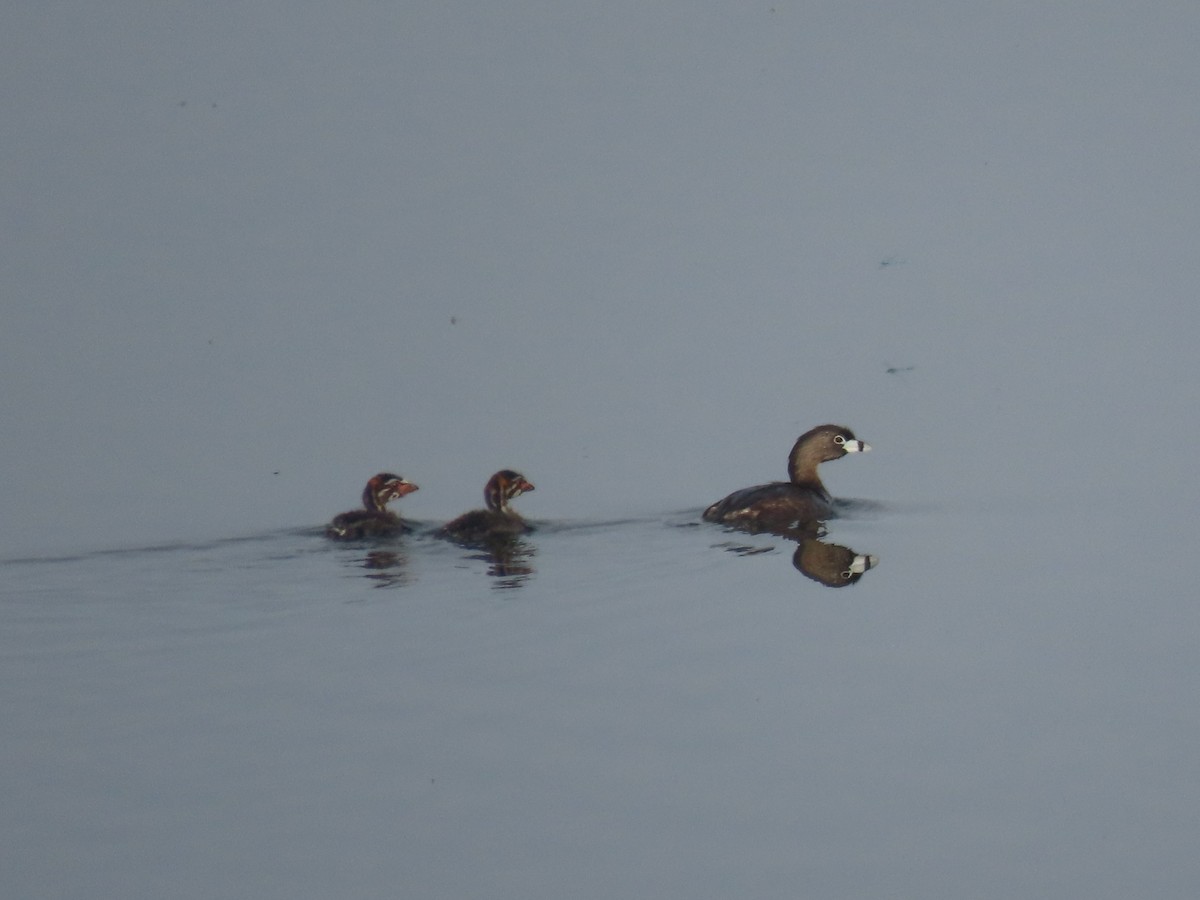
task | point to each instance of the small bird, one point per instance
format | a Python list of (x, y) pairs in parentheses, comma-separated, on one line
[(373, 520), (784, 504), (497, 521)]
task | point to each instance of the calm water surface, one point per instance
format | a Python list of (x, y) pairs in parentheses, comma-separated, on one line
[(633, 250), (640, 708)]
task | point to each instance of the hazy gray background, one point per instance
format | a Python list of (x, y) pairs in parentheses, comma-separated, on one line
[(669, 237), (252, 255)]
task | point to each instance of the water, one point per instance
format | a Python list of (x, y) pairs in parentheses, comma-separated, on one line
[(633, 251), (637, 708)]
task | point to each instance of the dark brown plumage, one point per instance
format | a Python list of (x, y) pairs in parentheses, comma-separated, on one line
[(497, 521), (786, 504), (373, 520)]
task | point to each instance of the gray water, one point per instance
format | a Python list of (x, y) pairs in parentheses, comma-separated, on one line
[(638, 710), (252, 256)]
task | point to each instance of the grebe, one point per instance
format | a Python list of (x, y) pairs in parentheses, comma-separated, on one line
[(373, 520), (497, 521), (782, 504)]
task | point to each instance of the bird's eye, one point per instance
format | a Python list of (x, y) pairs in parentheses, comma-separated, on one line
[(839, 440)]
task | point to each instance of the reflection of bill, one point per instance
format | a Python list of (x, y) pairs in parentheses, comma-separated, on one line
[(829, 564), (796, 509)]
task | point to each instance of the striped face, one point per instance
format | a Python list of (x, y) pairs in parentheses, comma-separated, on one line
[(503, 487), (384, 488)]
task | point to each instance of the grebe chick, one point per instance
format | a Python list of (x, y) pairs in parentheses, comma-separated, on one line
[(497, 521), (373, 520), (782, 504)]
